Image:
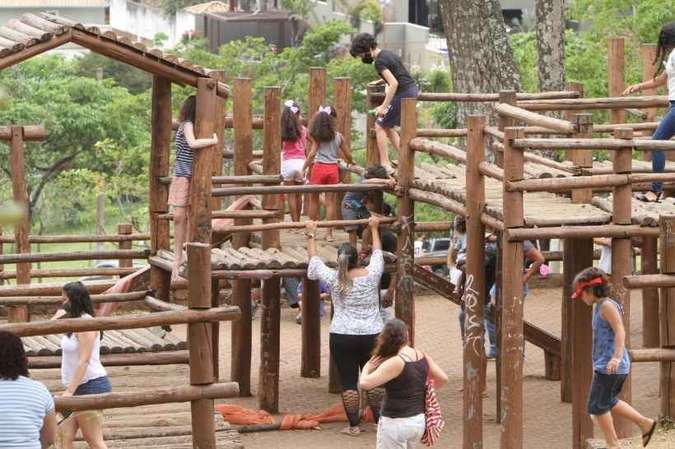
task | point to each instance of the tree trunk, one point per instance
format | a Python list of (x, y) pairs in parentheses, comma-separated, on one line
[(551, 44), (480, 54)]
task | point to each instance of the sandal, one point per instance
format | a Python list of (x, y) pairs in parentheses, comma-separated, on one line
[(646, 438), (650, 197), (351, 431)]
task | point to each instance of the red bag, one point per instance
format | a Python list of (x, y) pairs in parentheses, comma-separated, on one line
[(432, 412)]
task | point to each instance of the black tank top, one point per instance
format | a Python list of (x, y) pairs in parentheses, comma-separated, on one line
[(405, 393)]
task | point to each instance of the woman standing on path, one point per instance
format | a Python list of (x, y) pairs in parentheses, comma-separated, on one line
[(81, 369), (402, 370), (356, 320), (26, 407)]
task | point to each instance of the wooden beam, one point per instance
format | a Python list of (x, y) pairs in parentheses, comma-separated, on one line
[(34, 50), (534, 119), (73, 255), (22, 228), (307, 188), (78, 238), (667, 315), (615, 69), (58, 300), (132, 359), (570, 232), (31, 133)]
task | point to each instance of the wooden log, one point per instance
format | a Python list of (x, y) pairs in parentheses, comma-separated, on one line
[(405, 253), (157, 305), (22, 228), (199, 221), (438, 149), (199, 298), (433, 226), (31, 133), (473, 97), (534, 119), (17, 36), (650, 296), (311, 330), (436, 133), (582, 104), (452, 206), (78, 238), (615, 60), (242, 330), (590, 231), (649, 280), (57, 300), (503, 122), (307, 188), (219, 123), (300, 225), (567, 184), (51, 289), (270, 316), (11, 46), (149, 397), (373, 100), (38, 22), (71, 272), (491, 170), (251, 179), (342, 101), (128, 322), (652, 355), (512, 302), (595, 144), (134, 359), (39, 34), (667, 315), (28, 52), (125, 229), (73, 255), (475, 288)]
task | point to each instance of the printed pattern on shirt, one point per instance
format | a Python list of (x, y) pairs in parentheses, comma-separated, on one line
[(184, 154)]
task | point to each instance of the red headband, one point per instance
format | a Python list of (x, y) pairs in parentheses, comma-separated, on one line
[(582, 285)]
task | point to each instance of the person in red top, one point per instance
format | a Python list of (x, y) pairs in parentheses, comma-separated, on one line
[(293, 138)]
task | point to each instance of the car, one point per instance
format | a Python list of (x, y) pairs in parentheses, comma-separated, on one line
[(434, 248)]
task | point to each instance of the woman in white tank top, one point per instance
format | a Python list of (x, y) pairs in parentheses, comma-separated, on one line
[(81, 369)]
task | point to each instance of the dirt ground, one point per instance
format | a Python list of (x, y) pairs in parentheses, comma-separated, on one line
[(548, 421)]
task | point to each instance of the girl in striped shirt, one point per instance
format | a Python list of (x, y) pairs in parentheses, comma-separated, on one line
[(179, 192)]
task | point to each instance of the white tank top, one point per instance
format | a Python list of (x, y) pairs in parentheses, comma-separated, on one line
[(70, 359)]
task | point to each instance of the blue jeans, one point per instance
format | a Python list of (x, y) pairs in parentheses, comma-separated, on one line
[(665, 131)]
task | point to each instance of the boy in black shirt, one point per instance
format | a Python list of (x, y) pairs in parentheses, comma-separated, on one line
[(399, 85)]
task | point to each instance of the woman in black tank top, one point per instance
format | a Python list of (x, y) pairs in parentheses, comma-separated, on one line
[(402, 371)]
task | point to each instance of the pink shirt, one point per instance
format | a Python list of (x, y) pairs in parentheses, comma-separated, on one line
[(295, 149)]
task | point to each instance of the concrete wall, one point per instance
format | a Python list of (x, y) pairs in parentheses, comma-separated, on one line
[(146, 22), (91, 15)]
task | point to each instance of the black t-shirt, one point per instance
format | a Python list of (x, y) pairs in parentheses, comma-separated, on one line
[(388, 60)]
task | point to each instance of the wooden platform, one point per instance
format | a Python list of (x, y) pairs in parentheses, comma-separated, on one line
[(643, 214), (151, 427), (113, 342), (541, 208)]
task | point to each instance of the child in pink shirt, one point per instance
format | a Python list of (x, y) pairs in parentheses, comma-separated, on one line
[(293, 138)]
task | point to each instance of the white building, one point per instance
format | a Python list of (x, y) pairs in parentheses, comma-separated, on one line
[(91, 12)]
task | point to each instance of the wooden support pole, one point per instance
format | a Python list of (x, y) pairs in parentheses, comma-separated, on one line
[(270, 314), (242, 331), (615, 55), (505, 97), (219, 123), (512, 302), (311, 329), (342, 100), (199, 344), (372, 101), (622, 259), (650, 295), (21, 229), (160, 148), (405, 301), (125, 229), (475, 288), (199, 219), (667, 316), (2, 266), (317, 97)]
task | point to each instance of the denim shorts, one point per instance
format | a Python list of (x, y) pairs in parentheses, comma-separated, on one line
[(393, 116), (94, 386), (604, 392)]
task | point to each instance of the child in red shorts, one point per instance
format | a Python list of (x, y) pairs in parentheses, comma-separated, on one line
[(327, 146)]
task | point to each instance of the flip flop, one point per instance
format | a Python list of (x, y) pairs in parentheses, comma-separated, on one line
[(643, 197), (351, 431), (646, 438)]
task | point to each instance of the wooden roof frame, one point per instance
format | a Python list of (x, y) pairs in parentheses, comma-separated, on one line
[(32, 35)]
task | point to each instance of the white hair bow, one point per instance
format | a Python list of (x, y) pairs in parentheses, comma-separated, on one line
[(290, 104), (326, 109)]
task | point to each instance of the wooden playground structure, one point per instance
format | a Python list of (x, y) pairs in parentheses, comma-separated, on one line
[(545, 199)]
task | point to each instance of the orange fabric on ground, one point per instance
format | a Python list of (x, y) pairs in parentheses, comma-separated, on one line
[(235, 414)]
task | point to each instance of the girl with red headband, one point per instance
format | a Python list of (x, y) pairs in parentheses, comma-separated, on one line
[(611, 363)]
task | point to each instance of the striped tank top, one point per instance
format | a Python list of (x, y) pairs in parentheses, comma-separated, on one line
[(184, 154)]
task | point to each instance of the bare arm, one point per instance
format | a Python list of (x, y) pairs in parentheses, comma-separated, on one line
[(374, 224), (375, 375), (610, 314), (390, 90), (86, 340), (48, 431), (310, 232), (602, 241), (310, 157), (439, 376), (344, 150), (196, 144), (653, 83), (537, 258)]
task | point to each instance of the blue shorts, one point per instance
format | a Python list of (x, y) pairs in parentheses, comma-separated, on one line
[(393, 116), (604, 392), (94, 386)]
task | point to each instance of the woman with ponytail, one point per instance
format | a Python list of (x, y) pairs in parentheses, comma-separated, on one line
[(665, 74), (403, 371), (356, 319)]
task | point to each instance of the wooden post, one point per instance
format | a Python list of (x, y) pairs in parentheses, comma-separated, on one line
[(616, 56), (475, 288), (405, 301), (512, 300), (242, 330), (342, 99), (219, 119), (125, 229), (311, 329), (317, 90), (22, 229), (2, 267), (160, 149), (576, 251), (667, 315), (621, 258), (199, 219), (199, 344), (647, 56), (270, 314), (372, 155), (503, 122)]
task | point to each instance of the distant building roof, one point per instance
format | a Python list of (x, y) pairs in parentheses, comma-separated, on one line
[(208, 8), (53, 3), (258, 16)]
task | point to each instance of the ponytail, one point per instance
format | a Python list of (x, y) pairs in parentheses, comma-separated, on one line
[(347, 259)]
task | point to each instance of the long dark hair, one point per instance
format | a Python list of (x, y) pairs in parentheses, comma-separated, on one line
[(348, 259), (79, 300), (13, 361), (291, 128), (323, 125), (603, 290), (664, 45), (188, 110), (392, 338)]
